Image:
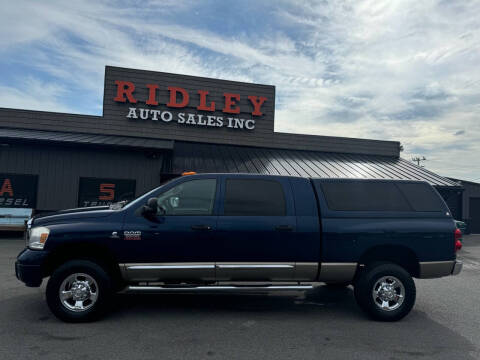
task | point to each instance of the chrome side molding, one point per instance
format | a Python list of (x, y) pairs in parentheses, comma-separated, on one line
[(209, 271), (168, 267), (255, 266), (180, 266), (197, 271)]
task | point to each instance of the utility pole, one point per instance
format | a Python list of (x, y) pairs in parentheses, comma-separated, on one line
[(417, 159)]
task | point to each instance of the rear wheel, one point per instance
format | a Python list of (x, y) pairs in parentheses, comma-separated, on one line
[(79, 291), (386, 292)]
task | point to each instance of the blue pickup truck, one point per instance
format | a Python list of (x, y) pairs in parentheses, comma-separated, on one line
[(243, 232)]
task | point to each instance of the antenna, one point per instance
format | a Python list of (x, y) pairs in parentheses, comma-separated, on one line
[(417, 159)]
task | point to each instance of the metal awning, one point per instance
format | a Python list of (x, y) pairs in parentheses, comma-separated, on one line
[(85, 139), (206, 158)]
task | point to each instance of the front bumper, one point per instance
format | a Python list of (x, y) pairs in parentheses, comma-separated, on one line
[(31, 275), (29, 267)]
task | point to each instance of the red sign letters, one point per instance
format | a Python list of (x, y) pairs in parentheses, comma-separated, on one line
[(180, 98)]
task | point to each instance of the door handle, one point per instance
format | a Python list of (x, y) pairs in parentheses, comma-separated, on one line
[(284, 228), (201, 227)]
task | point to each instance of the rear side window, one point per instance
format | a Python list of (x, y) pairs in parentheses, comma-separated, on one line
[(364, 196), (252, 197), (421, 197)]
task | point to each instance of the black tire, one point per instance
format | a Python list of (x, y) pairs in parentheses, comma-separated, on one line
[(102, 287), (364, 287)]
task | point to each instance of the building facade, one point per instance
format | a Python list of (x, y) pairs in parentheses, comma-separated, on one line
[(157, 125), (470, 205)]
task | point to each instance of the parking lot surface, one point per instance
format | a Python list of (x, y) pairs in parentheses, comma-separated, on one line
[(322, 323)]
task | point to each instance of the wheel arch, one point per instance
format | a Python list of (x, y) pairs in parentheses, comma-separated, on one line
[(397, 254), (97, 253)]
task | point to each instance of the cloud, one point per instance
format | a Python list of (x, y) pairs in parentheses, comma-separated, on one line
[(32, 93), (398, 69)]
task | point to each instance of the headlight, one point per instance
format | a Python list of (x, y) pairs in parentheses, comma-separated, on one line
[(38, 237)]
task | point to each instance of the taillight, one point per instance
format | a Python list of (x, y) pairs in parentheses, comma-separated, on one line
[(458, 236)]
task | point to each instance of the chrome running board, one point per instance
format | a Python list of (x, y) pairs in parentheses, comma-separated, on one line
[(213, 288)]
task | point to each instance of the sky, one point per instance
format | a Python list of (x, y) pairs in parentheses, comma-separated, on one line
[(402, 70)]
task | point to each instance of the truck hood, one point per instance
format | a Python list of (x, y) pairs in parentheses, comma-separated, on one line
[(68, 215)]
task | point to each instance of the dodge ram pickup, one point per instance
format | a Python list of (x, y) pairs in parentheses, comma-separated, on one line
[(244, 232)]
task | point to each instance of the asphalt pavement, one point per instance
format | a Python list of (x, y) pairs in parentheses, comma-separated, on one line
[(319, 324)]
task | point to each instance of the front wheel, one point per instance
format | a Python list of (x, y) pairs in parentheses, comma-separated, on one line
[(386, 292), (79, 291)]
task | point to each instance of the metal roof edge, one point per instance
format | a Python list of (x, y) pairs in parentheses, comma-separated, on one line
[(88, 139), (359, 140), (460, 181), (431, 173), (44, 112), (299, 148)]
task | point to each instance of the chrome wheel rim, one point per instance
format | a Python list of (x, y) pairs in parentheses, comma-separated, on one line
[(388, 293), (78, 292)]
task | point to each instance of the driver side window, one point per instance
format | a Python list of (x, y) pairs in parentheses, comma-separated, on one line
[(195, 197)]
